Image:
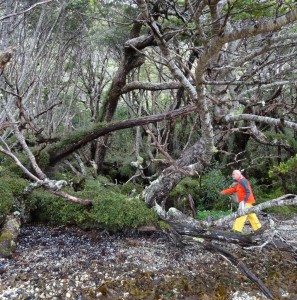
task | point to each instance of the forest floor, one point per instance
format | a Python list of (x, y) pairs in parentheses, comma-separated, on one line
[(69, 263)]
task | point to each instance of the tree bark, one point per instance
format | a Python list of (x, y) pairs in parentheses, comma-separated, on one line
[(260, 119), (174, 214), (132, 59), (190, 161), (9, 234), (59, 151)]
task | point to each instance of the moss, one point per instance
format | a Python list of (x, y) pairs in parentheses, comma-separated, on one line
[(130, 188), (11, 187), (283, 211), (111, 210), (164, 226), (5, 236), (8, 166), (74, 137), (126, 171), (7, 245)]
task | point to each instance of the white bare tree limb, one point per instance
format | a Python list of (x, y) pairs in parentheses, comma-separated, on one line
[(261, 119), (174, 214), (24, 11)]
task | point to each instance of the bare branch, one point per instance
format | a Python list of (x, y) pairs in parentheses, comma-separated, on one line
[(174, 214), (261, 119), (24, 11)]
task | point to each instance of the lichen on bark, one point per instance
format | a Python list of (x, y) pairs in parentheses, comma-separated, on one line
[(9, 234)]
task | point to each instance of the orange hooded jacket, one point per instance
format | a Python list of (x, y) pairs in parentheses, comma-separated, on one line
[(243, 189)]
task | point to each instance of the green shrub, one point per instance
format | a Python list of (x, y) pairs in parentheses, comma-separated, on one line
[(10, 188), (6, 202), (111, 210), (215, 214), (130, 188), (8, 166), (283, 211), (263, 195), (213, 182), (205, 192), (126, 171)]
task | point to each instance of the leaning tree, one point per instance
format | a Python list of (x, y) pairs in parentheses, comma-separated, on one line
[(229, 64)]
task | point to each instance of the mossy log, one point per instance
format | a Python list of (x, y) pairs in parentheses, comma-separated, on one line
[(9, 235)]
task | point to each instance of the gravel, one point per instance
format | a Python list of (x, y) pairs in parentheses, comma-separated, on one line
[(69, 263)]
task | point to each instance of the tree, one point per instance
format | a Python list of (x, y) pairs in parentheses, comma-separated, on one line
[(220, 88), (207, 70)]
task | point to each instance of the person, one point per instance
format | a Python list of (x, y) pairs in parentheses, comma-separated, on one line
[(243, 192)]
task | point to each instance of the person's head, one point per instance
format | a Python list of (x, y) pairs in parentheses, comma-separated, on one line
[(236, 174)]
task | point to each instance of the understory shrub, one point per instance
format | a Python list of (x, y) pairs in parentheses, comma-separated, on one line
[(11, 187), (111, 210), (215, 214), (204, 191), (263, 195)]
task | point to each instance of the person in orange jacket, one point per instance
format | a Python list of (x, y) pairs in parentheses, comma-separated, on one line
[(243, 191)]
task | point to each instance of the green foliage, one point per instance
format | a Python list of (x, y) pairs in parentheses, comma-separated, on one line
[(120, 154), (215, 214), (283, 211), (264, 194), (255, 9), (205, 192), (126, 171), (6, 197), (10, 188), (209, 197), (77, 5), (43, 159), (284, 174), (117, 33), (284, 167), (287, 138), (183, 128), (112, 211), (187, 186), (74, 10), (74, 137), (8, 166)]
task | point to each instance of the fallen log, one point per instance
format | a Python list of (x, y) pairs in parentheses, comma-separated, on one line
[(9, 235), (214, 234), (189, 222)]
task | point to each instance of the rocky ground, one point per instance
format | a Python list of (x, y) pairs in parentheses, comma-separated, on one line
[(68, 263)]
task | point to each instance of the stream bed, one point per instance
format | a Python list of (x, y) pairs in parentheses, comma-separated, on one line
[(69, 263)]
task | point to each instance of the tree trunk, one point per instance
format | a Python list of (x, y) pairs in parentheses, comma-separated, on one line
[(61, 150), (132, 59), (9, 234), (189, 161)]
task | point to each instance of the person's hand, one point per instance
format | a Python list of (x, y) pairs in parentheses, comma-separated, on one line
[(222, 193)]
